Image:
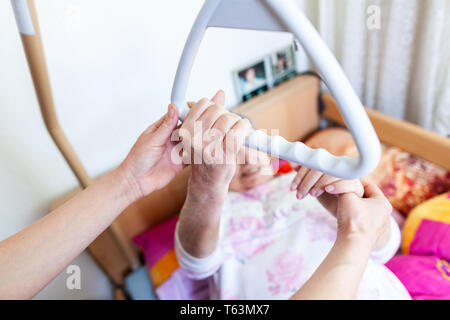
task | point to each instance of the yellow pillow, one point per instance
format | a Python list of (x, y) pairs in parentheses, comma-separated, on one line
[(436, 209)]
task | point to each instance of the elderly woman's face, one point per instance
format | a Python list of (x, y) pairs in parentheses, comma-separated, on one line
[(255, 169)]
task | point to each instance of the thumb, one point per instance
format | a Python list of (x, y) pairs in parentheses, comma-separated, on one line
[(168, 124), (371, 190), (219, 98)]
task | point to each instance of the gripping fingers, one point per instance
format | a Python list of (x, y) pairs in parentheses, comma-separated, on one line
[(217, 135), (319, 187), (225, 122), (298, 178), (197, 110), (235, 138), (211, 115), (219, 130), (307, 183)]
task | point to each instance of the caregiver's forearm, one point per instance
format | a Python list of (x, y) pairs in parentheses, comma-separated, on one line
[(339, 275), (30, 259), (198, 227)]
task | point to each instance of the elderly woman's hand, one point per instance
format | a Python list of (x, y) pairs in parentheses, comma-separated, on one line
[(220, 139), (211, 139), (314, 182)]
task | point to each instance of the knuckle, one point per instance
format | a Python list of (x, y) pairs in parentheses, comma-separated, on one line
[(234, 117), (218, 108), (246, 122), (229, 117), (243, 123), (212, 110), (203, 101)]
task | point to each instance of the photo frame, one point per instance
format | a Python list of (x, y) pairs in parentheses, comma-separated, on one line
[(260, 76), (252, 80), (283, 65)]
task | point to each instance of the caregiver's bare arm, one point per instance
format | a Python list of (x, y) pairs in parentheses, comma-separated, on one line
[(199, 221), (361, 222), (30, 259)]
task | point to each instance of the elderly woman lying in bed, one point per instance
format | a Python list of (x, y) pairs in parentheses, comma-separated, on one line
[(255, 238)]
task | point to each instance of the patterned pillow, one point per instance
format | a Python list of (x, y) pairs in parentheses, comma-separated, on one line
[(411, 181)]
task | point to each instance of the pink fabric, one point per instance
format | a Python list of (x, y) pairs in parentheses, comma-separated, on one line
[(425, 272), (425, 277), (432, 237), (284, 275), (157, 241), (180, 287)]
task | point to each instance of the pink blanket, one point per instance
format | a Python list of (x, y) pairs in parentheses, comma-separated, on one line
[(425, 272)]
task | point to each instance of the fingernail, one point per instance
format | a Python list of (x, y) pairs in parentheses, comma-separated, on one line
[(313, 193), (300, 196), (171, 111), (330, 188)]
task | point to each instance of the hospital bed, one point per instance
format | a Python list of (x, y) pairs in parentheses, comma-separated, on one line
[(296, 108)]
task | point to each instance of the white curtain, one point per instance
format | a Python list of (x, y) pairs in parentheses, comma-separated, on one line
[(401, 66)]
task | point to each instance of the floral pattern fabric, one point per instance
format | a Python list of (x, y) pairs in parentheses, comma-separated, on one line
[(271, 243)]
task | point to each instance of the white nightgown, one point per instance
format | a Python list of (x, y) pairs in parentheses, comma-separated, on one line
[(271, 243)]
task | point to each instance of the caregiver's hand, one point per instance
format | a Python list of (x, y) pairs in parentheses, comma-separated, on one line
[(361, 222), (64, 233), (149, 166), (331, 191), (366, 219), (51, 243)]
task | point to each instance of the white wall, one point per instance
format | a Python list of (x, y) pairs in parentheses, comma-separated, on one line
[(111, 76)]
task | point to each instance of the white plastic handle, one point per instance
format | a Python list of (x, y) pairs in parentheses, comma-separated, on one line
[(285, 16)]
